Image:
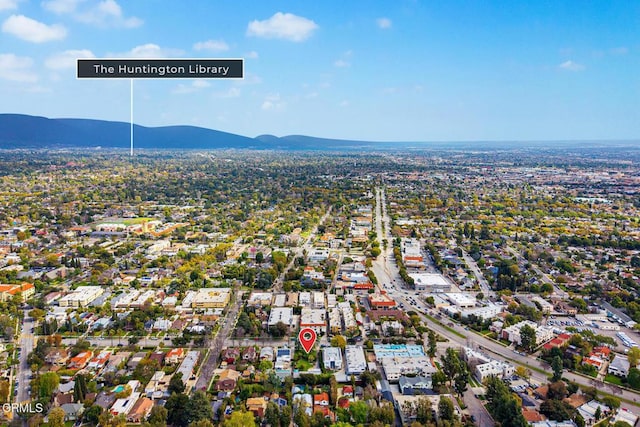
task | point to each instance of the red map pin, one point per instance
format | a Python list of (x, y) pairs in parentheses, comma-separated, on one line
[(307, 338)]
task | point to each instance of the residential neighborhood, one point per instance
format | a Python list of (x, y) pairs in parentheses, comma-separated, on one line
[(431, 305)]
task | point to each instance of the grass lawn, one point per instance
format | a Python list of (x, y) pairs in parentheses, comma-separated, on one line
[(132, 221), (303, 365), (613, 379)]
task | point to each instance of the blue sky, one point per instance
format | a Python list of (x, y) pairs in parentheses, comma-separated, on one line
[(404, 70)]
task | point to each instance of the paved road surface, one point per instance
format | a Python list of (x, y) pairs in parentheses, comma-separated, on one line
[(209, 365), (482, 281), (26, 347)]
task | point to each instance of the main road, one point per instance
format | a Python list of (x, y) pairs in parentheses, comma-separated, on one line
[(26, 347)]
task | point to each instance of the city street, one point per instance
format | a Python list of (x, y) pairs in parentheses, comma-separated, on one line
[(26, 347)]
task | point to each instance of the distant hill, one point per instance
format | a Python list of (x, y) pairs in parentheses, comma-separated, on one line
[(23, 131), (32, 132)]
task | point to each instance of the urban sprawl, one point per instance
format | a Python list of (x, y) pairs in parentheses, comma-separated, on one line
[(446, 288)]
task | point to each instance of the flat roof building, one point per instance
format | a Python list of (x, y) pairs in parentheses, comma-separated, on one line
[(430, 282), (314, 319), (280, 314), (355, 360), (211, 298), (81, 296), (332, 358), (260, 299)]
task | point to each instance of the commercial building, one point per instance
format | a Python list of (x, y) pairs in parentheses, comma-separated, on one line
[(494, 368), (396, 367), (280, 314), (512, 333), (483, 313), (381, 301), (211, 298), (314, 319), (486, 366), (397, 350), (260, 299), (355, 360), (461, 300), (430, 282), (26, 290), (82, 296)]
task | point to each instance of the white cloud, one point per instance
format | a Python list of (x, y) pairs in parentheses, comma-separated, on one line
[(61, 7), (8, 4), (384, 23), (31, 30), (232, 92), (108, 13), (17, 68), (195, 86), (67, 59), (285, 26), (341, 63), (571, 66), (272, 103), (619, 50), (249, 79), (149, 51), (251, 55), (201, 83), (212, 45)]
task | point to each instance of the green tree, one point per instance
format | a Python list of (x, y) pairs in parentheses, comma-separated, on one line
[(339, 341), (557, 410), (424, 411), (176, 406), (450, 364), (199, 407), (446, 409), (92, 414), (47, 383), (557, 367), (461, 379), (433, 344), (528, 338), (176, 385), (634, 378), (158, 416), (201, 423), (56, 417), (300, 418), (271, 415), (634, 356), (359, 412), (502, 404), (80, 388), (240, 419)]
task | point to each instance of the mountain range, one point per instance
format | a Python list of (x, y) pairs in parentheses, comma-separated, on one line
[(19, 131), (32, 132)]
